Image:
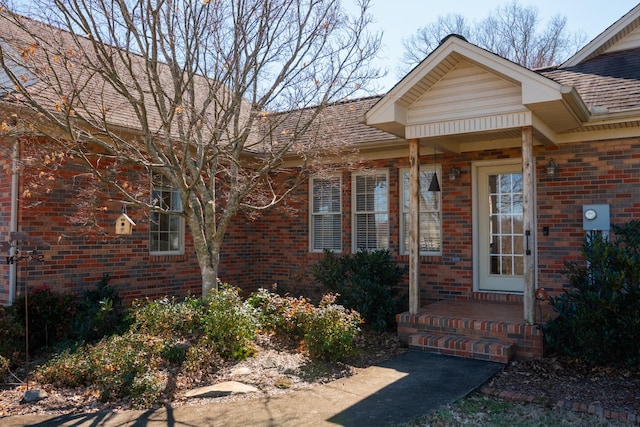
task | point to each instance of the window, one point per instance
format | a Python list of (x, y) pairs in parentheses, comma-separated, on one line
[(166, 230), (370, 211), (326, 214), (430, 214)]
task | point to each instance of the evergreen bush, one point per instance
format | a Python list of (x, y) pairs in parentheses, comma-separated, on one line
[(366, 282), (99, 313), (599, 314), (51, 316)]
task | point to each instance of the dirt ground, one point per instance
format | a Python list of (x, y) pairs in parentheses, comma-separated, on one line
[(274, 372)]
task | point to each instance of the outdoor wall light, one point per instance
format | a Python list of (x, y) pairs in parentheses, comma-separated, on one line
[(454, 174), (552, 169)]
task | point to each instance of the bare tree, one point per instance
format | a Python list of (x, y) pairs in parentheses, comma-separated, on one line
[(511, 31), (209, 97), (427, 38)]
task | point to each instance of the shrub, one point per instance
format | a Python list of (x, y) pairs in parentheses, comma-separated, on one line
[(99, 313), (330, 330), (4, 367), (56, 318), (116, 365), (168, 317), (365, 281), (283, 315), (327, 331), (51, 316), (599, 314), (12, 336), (229, 323), (148, 387)]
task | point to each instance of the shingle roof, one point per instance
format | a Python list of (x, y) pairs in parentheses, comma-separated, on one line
[(62, 66), (610, 80), (347, 120), (339, 124)]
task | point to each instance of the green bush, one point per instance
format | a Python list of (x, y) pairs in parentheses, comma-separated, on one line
[(99, 313), (4, 367), (283, 315), (12, 338), (168, 317), (330, 330), (59, 318), (229, 323), (599, 314), (118, 366), (366, 281), (327, 331), (193, 335), (51, 316)]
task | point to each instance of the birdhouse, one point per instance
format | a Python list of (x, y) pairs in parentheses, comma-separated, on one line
[(124, 224)]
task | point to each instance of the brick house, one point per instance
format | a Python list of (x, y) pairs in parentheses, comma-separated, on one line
[(527, 163)]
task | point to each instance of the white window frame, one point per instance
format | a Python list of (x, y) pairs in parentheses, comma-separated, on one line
[(317, 215), (376, 211), (427, 171), (176, 206)]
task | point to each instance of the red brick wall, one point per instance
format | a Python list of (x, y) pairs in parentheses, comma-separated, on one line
[(77, 261), (589, 173), (274, 248)]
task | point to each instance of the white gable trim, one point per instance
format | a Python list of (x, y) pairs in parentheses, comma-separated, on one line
[(391, 113)]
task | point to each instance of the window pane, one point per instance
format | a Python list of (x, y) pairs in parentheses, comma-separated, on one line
[(506, 224), (165, 229), (371, 216), (430, 239), (326, 220)]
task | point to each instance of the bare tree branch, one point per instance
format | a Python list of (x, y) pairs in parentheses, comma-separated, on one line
[(214, 96), (511, 31)]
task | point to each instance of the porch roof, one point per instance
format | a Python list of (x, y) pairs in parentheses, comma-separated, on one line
[(463, 97)]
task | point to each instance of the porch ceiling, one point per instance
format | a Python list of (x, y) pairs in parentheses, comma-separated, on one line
[(486, 140)]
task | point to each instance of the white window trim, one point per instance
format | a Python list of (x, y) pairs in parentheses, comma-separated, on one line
[(312, 215), (181, 231), (385, 172), (428, 169)]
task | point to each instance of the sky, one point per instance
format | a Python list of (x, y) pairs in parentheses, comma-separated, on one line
[(400, 19)]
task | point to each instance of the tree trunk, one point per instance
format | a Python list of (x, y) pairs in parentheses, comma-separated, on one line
[(207, 251), (209, 272)]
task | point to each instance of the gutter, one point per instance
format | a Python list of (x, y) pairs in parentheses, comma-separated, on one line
[(15, 182)]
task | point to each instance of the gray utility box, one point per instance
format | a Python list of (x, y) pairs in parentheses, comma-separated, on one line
[(595, 218)]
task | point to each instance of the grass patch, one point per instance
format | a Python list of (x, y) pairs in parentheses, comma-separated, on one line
[(480, 410)]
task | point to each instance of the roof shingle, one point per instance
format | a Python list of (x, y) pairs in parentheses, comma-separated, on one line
[(610, 80)]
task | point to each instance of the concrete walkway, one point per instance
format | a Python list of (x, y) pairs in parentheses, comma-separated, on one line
[(397, 391)]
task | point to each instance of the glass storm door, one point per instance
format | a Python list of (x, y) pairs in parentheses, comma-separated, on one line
[(501, 231)]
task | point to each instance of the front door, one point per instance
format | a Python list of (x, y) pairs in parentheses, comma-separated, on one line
[(500, 234)]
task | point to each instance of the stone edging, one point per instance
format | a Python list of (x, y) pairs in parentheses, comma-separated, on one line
[(597, 410)]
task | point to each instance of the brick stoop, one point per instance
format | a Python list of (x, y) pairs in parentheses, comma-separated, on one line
[(486, 330), (482, 348)]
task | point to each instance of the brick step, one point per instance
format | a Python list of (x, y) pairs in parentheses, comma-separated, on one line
[(462, 346), (466, 327)]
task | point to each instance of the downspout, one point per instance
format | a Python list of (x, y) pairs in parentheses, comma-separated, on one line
[(15, 182)]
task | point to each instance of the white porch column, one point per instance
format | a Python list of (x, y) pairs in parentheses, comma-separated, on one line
[(529, 209), (414, 226)]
